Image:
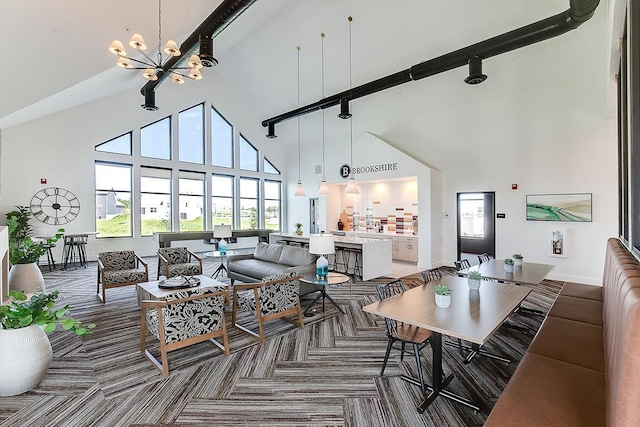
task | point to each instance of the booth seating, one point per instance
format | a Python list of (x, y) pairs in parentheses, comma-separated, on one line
[(583, 366)]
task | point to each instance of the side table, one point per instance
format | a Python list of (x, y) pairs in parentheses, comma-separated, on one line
[(222, 255), (332, 279)]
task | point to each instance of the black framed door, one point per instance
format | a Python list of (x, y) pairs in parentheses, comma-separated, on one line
[(476, 224)]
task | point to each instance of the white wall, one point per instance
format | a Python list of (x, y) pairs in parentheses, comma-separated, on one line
[(60, 147)]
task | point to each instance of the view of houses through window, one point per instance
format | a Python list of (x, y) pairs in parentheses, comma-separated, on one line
[(166, 185)]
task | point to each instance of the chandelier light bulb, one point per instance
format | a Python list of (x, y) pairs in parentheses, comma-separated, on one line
[(117, 48), (137, 42), (171, 48)]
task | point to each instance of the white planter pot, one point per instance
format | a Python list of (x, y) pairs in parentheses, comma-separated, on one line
[(25, 355), (443, 301), (517, 261), (474, 283), (27, 278), (508, 268)]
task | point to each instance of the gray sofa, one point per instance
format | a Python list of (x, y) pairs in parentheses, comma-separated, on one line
[(269, 259)]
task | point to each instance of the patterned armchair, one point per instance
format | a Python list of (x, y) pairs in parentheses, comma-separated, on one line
[(182, 319), (176, 261), (275, 297), (120, 268)]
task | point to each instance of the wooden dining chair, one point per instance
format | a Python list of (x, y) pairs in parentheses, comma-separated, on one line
[(396, 331), (431, 275)]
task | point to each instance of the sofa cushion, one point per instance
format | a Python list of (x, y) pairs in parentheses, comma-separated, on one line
[(580, 309), (578, 343), (256, 268), (547, 392), (294, 256), (579, 290), (267, 252)]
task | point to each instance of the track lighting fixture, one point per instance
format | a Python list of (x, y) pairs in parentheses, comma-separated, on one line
[(272, 131), (149, 100), (344, 109), (475, 72)]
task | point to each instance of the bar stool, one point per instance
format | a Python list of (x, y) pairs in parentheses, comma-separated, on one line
[(51, 262), (74, 250), (355, 254), (339, 264)]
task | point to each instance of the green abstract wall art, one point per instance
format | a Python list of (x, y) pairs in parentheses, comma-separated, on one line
[(575, 207)]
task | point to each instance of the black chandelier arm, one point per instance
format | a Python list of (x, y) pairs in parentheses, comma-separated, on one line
[(148, 58)]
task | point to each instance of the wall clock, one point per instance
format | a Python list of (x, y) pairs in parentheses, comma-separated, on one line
[(55, 205)]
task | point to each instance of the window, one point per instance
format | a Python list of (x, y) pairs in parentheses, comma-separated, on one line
[(248, 155), (221, 141), (248, 204), (472, 215), (113, 199), (269, 168), (222, 199), (272, 204), (118, 145), (191, 135), (191, 199), (155, 140), (155, 194)]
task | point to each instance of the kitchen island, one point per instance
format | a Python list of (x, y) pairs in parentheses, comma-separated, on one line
[(372, 257)]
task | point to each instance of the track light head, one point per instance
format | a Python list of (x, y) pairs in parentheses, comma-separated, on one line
[(272, 131), (344, 109), (149, 101), (475, 72), (206, 51)]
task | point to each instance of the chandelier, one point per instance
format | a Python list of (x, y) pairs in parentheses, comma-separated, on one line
[(153, 67)]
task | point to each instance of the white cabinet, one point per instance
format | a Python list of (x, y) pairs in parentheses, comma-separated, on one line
[(407, 249)]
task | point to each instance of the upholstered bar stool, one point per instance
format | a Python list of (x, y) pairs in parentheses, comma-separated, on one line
[(353, 257)]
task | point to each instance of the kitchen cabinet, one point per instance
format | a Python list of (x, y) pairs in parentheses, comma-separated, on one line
[(407, 249)]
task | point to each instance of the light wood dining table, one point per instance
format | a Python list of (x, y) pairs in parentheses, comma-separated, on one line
[(472, 316)]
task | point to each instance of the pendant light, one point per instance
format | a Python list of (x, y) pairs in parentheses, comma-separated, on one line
[(352, 188), (299, 188), (324, 188)]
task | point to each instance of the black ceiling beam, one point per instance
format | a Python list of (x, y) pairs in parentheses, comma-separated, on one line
[(219, 19), (579, 12)]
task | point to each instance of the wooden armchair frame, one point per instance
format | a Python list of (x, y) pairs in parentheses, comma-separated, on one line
[(105, 286), (162, 261), (165, 348), (264, 318)]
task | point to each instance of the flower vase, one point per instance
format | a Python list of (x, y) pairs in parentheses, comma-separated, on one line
[(25, 355), (517, 261), (508, 268), (473, 284), (27, 278), (443, 301)]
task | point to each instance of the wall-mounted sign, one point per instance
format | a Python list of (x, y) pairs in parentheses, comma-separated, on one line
[(345, 169)]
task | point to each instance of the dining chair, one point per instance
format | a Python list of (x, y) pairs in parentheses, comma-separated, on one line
[(396, 331), (182, 319), (273, 298), (120, 268), (431, 275), (462, 264), (176, 261), (484, 258)]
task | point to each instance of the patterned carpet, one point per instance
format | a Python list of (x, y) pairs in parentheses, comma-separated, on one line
[(326, 374)]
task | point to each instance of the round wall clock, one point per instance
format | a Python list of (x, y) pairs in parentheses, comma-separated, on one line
[(55, 206)]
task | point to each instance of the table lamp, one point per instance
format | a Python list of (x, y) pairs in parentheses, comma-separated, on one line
[(321, 244), (222, 231)]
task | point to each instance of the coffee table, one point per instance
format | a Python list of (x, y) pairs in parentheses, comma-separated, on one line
[(151, 290), (222, 255), (332, 279)]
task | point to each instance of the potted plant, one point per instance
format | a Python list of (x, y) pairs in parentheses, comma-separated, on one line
[(25, 351), (508, 265), (24, 252), (443, 296), (298, 228), (517, 259), (473, 279)]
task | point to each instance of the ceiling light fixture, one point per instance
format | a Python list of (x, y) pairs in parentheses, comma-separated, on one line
[(475, 72), (352, 188), (324, 188), (299, 188), (153, 68)]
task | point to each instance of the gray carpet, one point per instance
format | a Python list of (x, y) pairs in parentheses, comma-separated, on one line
[(326, 374)]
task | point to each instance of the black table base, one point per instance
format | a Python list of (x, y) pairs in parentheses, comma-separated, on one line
[(324, 295)]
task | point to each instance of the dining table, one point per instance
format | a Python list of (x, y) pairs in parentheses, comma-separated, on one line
[(474, 315)]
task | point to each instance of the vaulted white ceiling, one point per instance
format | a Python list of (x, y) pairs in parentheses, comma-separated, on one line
[(61, 58)]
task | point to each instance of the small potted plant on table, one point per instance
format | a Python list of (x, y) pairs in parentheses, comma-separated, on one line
[(443, 296), (298, 228), (473, 280), (508, 265), (517, 259)]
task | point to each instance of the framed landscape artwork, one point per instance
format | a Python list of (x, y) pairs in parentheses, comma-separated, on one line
[(574, 207)]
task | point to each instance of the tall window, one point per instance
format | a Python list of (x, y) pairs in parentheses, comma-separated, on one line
[(191, 201), (248, 204), (248, 155), (119, 145), (191, 135), (222, 199), (272, 204), (268, 167), (155, 140), (221, 141), (472, 215), (113, 199), (155, 200)]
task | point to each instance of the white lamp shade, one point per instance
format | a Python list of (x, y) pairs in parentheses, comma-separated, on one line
[(137, 42), (352, 188), (194, 62), (195, 74), (321, 244), (177, 78), (299, 190), (117, 48), (222, 231), (324, 188), (124, 63), (171, 48), (150, 74)]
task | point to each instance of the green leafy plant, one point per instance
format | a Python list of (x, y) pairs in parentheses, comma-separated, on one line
[(475, 275), (517, 256), (40, 309), (442, 290), (22, 248), (298, 226), (508, 261)]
